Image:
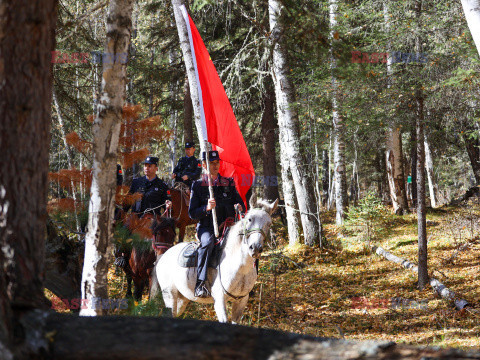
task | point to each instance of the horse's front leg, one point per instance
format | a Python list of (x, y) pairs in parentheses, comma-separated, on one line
[(220, 308), (237, 309)]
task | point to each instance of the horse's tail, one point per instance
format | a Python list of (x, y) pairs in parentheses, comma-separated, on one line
[(154, 284)]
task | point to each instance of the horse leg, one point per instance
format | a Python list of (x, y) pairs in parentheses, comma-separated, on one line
[(221, 308), (170, 300), (237, 309), (182, 303), (138, 285), (129, 285)]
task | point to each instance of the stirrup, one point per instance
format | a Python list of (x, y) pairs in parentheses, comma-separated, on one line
[(201, 290)]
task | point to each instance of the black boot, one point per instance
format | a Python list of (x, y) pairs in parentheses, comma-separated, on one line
[(201, 290)]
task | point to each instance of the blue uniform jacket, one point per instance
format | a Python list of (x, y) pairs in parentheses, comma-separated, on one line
[(154, 193), (225, 194), (189, 166)]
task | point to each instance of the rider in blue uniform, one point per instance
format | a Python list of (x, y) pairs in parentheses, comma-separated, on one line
[(155, 194), (155, 197), (188, 168), (226, 197)]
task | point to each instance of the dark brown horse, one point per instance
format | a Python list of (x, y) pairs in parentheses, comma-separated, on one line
[(142, 255), (180, 203)]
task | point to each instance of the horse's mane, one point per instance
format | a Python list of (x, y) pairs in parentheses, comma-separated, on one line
[(164, 223)]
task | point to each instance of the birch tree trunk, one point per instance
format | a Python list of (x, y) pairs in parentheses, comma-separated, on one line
[(69, 158), (421, 210), (338, 128), (288, 122), (106, 130), (173, 57), (188, 59), (432, 186), (471, 8), (394, 153)]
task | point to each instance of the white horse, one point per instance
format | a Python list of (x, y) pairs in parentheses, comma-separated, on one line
[(235, 275)]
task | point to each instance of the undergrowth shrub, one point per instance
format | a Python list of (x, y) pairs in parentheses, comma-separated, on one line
[(370, 216)]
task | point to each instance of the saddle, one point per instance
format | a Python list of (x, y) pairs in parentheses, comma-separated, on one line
[(189, 255)]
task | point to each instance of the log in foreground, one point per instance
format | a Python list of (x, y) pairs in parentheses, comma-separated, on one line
[(441, 289), (124, 337)]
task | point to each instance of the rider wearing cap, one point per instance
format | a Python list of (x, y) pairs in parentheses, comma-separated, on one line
[(155, 194), (226, 197), (188, 168)]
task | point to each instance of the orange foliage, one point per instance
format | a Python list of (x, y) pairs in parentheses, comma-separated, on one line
[(123, 198), (90, 118), (131, 111), (65, 204), (140, 226), (65, 178), (73, 139), (134, 157)]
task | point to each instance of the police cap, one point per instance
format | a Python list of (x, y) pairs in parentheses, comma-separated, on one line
[(212, 155), (151, 160), (189, 144)]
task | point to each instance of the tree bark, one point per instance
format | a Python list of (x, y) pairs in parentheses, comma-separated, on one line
[(421, 209), (173, 57), (288, 124), (69, 157), (471, 8), (27, 38), (187, 114), (269, 140), (432, 185), (289, 197), (106, 131), (413, 166), (473, 150), (394, 153), (341, 199), (162, 338), (326, 175)]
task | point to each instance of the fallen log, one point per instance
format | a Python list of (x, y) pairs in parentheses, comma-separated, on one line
[(125, 337), (441, 289), (475, 190)]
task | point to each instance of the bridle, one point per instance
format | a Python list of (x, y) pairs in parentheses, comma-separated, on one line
[(246, 234), (159, 245)]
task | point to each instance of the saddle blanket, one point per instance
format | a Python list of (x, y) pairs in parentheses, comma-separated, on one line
[(189, 255)]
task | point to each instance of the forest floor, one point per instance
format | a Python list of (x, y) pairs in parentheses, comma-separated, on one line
[(349, 292)]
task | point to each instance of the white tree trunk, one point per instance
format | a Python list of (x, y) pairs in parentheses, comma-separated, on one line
[(188, 59), (173, 57), (338, 131), (287, 122), (432, 186), (289, 196), (471, 8), (106, 130), (394, 153), (69, 158)]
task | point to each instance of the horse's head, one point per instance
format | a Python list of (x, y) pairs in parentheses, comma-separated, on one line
[(163, 234), (256, 225)]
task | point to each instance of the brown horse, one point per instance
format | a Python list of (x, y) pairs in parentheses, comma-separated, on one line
[(142, 256), (180, 204)]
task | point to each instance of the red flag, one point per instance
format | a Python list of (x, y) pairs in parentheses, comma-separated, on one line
[(222, 128)]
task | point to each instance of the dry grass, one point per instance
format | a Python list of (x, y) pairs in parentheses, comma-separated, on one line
[(347, 292)]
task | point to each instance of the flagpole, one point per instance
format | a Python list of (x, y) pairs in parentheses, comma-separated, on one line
[(210, 189), (194, 80)]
